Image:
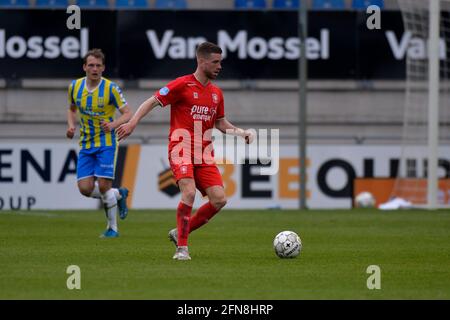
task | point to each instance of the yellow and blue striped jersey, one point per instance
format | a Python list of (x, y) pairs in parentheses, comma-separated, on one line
[(93, 107)]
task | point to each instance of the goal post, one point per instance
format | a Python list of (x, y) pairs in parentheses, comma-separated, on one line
[(425, 134), (433, 102)]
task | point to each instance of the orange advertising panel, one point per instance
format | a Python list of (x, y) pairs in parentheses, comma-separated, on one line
[(414, 190)]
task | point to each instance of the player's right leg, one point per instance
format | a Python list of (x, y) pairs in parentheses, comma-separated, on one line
[(187, 188), (85, 172)]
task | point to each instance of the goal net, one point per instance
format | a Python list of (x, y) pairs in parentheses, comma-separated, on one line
[(424, 167)]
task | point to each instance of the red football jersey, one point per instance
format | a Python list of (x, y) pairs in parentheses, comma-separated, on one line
[(194, 110)]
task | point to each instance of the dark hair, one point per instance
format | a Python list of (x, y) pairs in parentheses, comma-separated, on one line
[(97, 53), (206, 48)]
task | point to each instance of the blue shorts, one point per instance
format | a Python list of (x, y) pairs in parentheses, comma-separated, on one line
[(99, 162)]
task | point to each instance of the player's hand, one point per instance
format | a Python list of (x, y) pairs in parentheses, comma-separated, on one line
[(106, 126), (124, 130), (70, 132), (249, 135)]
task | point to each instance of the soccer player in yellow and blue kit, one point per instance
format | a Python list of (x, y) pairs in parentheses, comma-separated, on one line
[(96, 100)]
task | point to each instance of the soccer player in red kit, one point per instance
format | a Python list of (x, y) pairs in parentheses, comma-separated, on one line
[(197, 106)]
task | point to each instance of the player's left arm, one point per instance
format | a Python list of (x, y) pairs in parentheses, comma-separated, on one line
[(121, 104), (227, 127), (124, 118)]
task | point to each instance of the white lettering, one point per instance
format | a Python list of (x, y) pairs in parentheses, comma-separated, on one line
[(373, 21), (312, 49), (257, 48), (174, 47), (226, 43), (159, 48), (11, 45), (74, 280), (51, 44), (37, 47), (84, 41), (414, 47), (70, 47), (74, 21), (292, 49), (275, 48), (374, 280), (325, 44), (177, 48), (2, 43)]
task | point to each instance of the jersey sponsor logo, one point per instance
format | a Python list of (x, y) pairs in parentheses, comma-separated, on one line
[(89, 112), (164, 91), (203, 113)]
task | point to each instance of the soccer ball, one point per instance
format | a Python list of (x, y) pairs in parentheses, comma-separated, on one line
[(365, 200), (287, 244)]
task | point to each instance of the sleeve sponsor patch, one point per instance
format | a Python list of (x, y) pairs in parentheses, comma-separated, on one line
[(164, 91)]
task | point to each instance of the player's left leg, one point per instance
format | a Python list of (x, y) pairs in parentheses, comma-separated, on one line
[(209, 182), (217, 201), (105, 168), (110, 204), (104, 171), (121, 196)]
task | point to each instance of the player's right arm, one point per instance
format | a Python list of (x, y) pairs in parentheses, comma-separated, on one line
[(126, 129), (71, 114), (71, 121)]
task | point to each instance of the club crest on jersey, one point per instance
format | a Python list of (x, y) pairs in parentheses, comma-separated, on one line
[(101, 102), (195, 95), (164, 91), (215, 98)]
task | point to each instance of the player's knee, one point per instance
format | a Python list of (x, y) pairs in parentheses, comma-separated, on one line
[(103, 189), (85, 191), (219, 203), (189, 195)]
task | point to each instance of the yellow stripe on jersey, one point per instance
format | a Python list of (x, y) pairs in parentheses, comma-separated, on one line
[(107, 91), (93, 107), (97, 128)]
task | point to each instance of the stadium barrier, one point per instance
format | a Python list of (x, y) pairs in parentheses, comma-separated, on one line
[(32, 174)]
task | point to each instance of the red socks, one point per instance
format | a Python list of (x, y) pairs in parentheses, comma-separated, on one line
[(187, 224), (183, 217), (204, 213)]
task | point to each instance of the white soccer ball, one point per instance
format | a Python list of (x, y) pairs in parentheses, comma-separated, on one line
[(287, 244), (365, 200)]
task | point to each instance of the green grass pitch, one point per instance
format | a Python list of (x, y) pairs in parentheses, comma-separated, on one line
[(232, 256)]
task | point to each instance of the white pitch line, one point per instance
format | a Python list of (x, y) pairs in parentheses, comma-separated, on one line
[(30, 213)]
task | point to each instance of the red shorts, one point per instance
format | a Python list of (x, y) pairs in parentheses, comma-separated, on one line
[(205, 176)]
